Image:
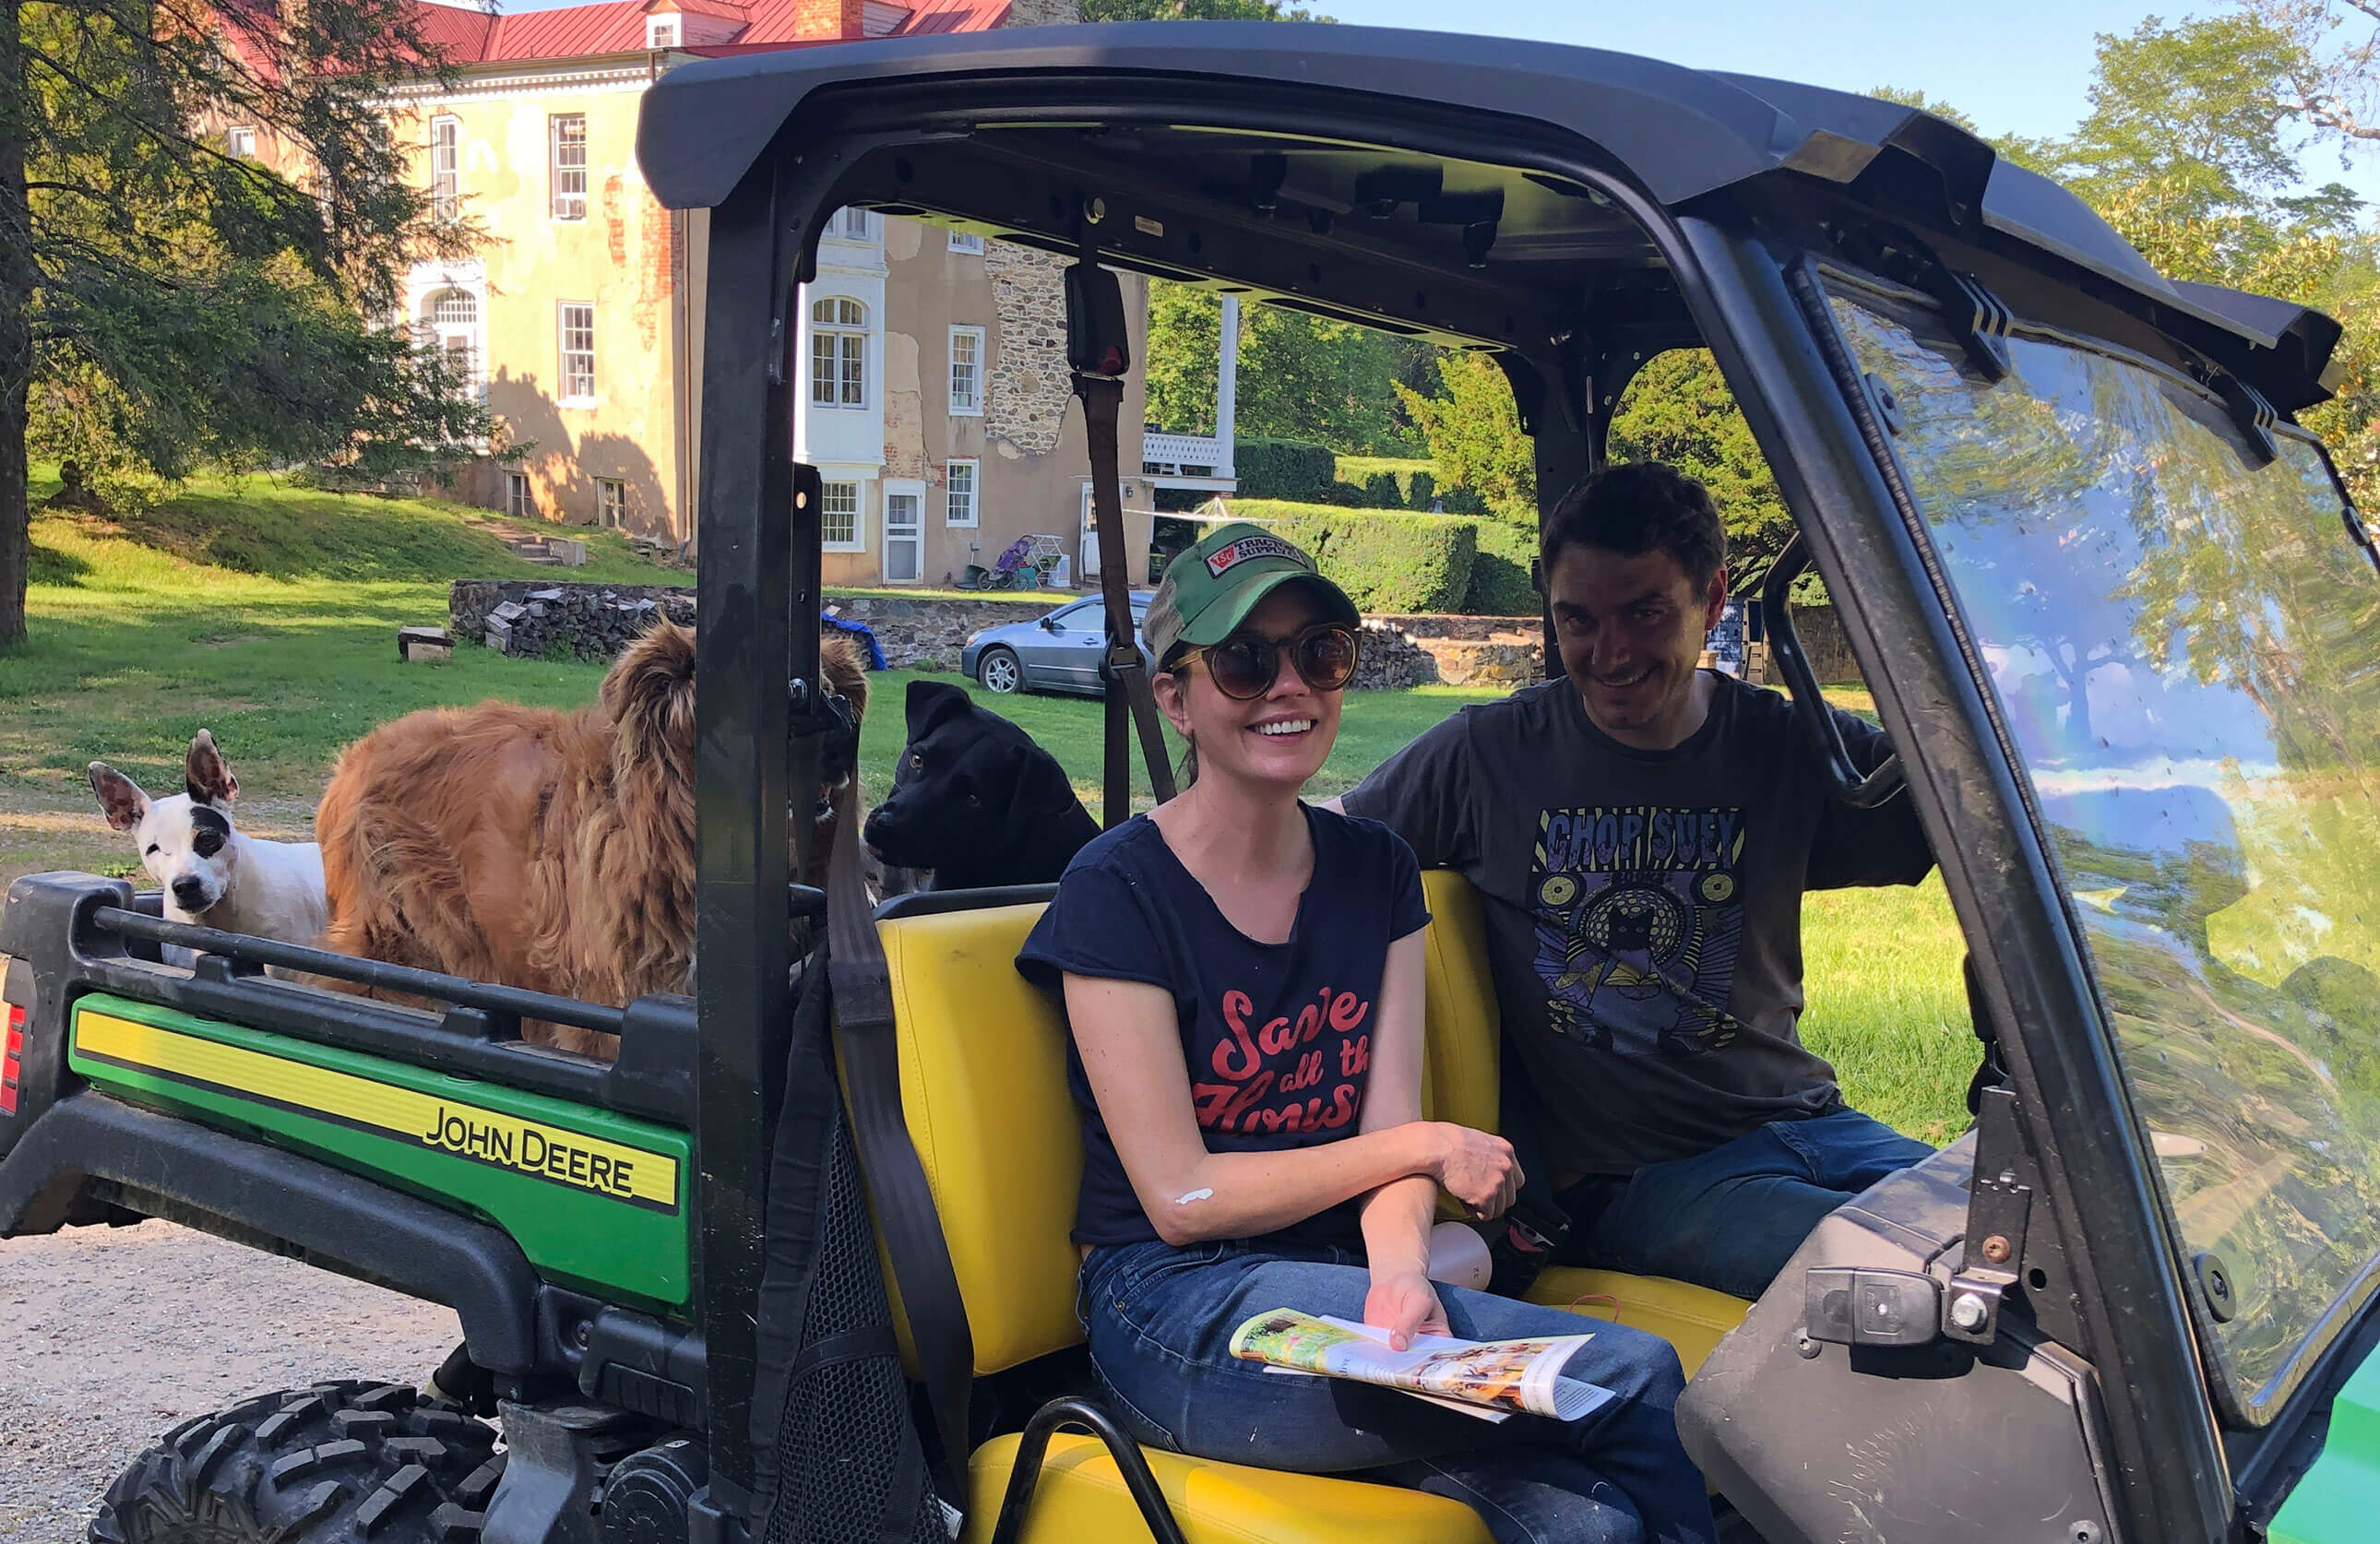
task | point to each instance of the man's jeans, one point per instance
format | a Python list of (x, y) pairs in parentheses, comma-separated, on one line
[(1161, 1321), (1731, 1218)]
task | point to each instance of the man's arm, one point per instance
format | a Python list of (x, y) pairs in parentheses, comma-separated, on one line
[(1883, 845), (1424, 792)]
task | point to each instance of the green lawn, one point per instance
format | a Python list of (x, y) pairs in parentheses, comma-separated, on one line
[(269, 615)]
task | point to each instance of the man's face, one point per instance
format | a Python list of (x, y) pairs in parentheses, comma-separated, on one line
[(1631, 631)]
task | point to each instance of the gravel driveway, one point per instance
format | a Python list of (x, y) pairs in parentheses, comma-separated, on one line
[(116, 1335)]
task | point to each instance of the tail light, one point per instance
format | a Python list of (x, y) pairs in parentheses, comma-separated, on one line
[(12, 1060)]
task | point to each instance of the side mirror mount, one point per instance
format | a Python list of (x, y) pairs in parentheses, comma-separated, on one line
[(1050, 624)]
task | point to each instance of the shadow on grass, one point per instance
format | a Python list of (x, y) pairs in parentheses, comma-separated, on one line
[(49, 565)]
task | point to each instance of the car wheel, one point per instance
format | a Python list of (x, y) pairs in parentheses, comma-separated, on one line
[(999, 672)]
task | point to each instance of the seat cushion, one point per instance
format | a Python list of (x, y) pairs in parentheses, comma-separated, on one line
[(1082, 1498), (1689, 1317), (983, 1091)]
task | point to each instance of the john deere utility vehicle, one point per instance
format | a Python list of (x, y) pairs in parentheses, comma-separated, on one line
[(2118, 615)]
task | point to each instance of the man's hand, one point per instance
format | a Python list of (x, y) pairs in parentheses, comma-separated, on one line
[(1476, 1167), (1404, 1302)]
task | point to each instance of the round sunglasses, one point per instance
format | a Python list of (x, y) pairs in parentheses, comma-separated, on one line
[(1245, 666)]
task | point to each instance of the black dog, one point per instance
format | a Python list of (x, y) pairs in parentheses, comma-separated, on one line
[(975, 799)]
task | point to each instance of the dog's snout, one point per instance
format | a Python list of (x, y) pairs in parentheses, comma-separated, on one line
[(189, 892)]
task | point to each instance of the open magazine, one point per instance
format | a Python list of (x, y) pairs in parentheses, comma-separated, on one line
[(1487, 1378)]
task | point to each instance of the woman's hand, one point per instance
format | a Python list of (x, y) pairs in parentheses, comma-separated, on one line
[(1477, 1169), (1404, 1302)]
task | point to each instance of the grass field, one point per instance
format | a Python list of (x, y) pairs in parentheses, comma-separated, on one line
[(269, 614)]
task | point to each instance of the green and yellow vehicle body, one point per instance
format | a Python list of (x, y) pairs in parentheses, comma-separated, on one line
[(595, 1199)]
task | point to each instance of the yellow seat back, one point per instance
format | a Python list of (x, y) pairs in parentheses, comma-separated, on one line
[(1458, 1076), (983, 1090)]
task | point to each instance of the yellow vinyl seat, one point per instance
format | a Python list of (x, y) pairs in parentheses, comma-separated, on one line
[(983, 1090)]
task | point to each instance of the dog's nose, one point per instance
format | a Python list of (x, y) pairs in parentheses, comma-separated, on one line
[(189, 892)]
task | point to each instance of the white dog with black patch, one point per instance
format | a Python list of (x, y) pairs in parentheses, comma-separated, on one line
[(213, 875)]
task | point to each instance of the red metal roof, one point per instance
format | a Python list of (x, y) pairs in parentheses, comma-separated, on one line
[(472, 37)]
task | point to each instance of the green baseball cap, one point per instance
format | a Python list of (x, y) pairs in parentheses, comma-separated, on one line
[(1210, 589)]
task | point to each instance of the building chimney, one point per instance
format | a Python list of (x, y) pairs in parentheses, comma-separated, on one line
[(821, 20)]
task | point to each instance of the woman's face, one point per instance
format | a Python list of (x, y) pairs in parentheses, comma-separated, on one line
[(1281, 739)]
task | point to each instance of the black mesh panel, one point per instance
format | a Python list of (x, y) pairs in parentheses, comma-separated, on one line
[(846, 1423)]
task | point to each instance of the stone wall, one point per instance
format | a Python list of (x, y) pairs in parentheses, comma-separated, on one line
[(929, 631), (525, 618), (1029, 387)]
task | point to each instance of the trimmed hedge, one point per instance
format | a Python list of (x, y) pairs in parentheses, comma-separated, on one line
[(1385, 561), (1390, 481), (1500, 574), (1291, 470)]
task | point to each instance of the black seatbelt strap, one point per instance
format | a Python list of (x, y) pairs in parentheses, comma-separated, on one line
[(904, 1204), (1102, 403)]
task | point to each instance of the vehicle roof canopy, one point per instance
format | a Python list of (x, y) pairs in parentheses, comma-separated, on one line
[(1148, 98)]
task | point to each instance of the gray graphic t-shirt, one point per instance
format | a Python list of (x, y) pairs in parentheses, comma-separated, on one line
[(1643, 909)]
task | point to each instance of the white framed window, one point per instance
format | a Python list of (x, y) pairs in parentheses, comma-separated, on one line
[(451, 319), (966, 241), (661, 31), (612, 500), (853, 225), (567, 140), (966, 371), (839, 516), (578, 354), (517, 499), (241, 142), (838, 352), (446, 167), (959, 493)]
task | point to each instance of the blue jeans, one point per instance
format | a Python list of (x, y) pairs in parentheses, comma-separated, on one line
[(1161, 1321), (1731, 1218)]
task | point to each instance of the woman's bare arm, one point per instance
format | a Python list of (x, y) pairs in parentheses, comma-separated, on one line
[(1396, 1216), (1131, 1046)]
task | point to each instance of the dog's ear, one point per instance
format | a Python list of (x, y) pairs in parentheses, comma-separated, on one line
[(120, 799), (933, 704), (1041, 788), (206, 774)]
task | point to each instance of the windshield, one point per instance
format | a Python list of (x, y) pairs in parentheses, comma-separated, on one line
[(2187, 652)]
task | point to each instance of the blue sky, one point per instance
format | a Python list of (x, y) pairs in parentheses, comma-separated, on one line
[(2013, 66)]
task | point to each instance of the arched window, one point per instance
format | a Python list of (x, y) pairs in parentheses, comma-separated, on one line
[(838, 353), (451, 319)]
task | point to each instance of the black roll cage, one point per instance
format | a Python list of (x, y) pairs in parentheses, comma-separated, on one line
[(1733, 273)]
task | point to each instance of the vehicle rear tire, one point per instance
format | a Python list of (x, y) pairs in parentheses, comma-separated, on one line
[(998, 671), (349, 1462)]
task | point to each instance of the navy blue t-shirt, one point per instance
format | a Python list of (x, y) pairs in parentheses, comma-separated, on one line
[(1276, 1037)]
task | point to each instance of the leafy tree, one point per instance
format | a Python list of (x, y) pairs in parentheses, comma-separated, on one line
[(1679, 410), (1474, 436), (1301, 377), (165, 302), (2193, 106)]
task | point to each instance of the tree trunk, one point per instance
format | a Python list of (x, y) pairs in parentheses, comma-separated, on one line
[(17, 276)]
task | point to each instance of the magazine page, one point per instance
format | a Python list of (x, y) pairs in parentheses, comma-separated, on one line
[(1508, 1375)]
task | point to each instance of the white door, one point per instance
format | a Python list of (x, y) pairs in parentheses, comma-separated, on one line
[(1090, 545), (904, 538)]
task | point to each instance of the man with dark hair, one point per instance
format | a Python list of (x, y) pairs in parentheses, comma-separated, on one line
[(1642, 832)]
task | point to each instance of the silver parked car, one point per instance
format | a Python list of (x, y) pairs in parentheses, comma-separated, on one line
[(1059, 652)]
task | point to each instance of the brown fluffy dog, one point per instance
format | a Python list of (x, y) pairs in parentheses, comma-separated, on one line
[(532, 848)]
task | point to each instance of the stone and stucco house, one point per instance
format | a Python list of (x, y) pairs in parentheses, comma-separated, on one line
[(934, 395)]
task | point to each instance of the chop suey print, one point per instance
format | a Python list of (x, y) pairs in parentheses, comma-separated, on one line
[(1297, 1068), (1639, 917)]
